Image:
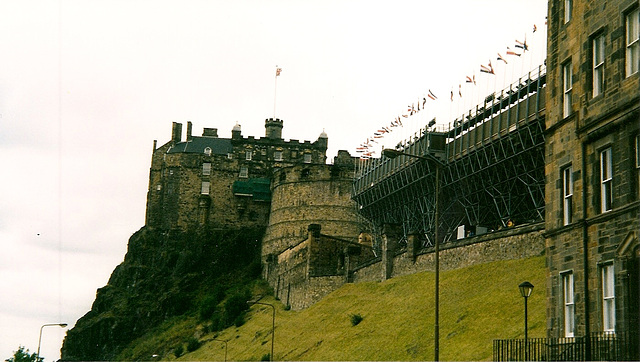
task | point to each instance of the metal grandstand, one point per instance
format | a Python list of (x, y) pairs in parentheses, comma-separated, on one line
[(492, 177)]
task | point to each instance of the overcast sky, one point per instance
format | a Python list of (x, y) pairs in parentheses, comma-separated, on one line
[(86, 86)]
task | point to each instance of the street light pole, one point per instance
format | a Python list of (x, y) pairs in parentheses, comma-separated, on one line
[(61, 325), (273, 324), (391, 153), (525, 290)]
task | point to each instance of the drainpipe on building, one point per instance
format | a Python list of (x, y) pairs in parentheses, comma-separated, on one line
[(585, 255)]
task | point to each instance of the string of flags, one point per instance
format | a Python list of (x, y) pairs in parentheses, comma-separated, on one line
[(366, 149)]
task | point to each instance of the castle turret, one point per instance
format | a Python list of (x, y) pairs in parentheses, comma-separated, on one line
[(323, 141), (273, 128), (236, 133)]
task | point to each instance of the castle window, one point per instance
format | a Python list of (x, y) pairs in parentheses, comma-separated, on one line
[(206, 169), (567, 194), (207, 151), (307, 158), (230, 156), (567, 87), (569, 306), (263, 151), (206, 186), (247, 155), (277, 156), (633, 42), (305, 173), (608, 298), (598, 65), (244, 172), (606, 180), (568, 7)]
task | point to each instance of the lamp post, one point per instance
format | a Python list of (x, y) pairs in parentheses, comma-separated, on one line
[(391, 153), (525, 290), (273, 324), (225, 347), (61, 325)]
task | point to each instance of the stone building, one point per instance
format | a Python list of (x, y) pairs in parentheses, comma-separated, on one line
[(592, 157), (221, 182)]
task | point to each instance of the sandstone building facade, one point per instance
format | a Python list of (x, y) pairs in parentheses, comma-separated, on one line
[(592, 156)]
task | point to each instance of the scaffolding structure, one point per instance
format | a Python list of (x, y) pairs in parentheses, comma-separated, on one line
[(492, 177)]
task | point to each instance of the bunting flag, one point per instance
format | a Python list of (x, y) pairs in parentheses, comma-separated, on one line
[(278, 71), (512, 52), (471, 80), (487, 69), (364, 148), (522, 45)]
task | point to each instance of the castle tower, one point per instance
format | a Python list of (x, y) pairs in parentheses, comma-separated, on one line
[(273, 128), (303, 195)]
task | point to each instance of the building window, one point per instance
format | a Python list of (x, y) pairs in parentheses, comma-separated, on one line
[(598, 65), (307, 158), (206, 169), (204, 190), (606, 178), (230, 156), (568, 7), (569, 307), (608, 299), (247, 155), (277, 156), (567, 86), (244, 172), (567, 194), (207, 151), (633, 42)]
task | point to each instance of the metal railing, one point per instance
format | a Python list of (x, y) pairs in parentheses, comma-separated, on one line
[(597, 347)]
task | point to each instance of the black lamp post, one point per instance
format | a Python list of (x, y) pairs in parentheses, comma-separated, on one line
[(391, 153), (61, 325), (273, 324), (525, 290)]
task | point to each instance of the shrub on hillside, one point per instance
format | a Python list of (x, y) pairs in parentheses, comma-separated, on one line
[(193, 344), (236, 305), (356, 319)]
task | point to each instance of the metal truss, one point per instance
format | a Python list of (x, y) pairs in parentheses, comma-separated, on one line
[(493, 174)]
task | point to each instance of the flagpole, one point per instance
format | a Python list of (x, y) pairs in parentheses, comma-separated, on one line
[(275, 91)]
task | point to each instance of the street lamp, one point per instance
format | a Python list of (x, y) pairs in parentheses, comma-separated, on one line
[(391, 153), (225, 347), (525, 290), (273, 324), (61, 325)]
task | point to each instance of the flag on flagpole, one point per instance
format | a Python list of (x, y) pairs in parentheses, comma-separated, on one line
[(500, 57), (278, 71), (431, 95)]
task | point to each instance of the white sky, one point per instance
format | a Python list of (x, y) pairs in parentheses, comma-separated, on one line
[(86, 86)]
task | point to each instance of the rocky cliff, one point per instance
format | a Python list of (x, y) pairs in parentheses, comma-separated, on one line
[(163, 275)]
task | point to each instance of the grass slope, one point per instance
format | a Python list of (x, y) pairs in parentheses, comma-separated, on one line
[(477, 305)]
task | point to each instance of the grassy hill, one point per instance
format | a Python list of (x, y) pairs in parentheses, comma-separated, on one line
[(477, 305)]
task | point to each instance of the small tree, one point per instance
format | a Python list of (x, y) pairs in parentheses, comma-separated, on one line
[(22, 355)]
